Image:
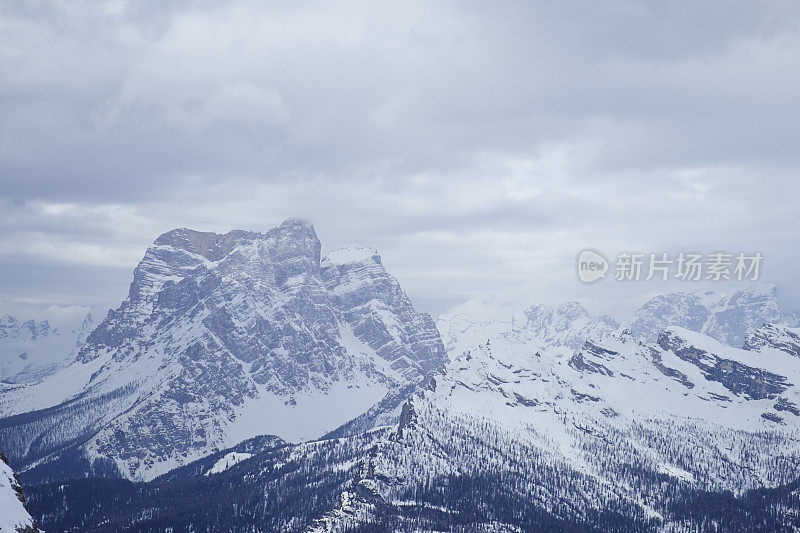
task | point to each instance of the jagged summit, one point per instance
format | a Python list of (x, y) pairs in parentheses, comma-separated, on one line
[(518, 420), (12, 328), (215, 246)]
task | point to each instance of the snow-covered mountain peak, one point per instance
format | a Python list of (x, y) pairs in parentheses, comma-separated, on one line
[(726, 316), (561, 327), (461, 331), (88, 323), (567, 324), (551, 405), (623, 417), (12, 328), (570, 310), (246, 331), (689, 391)]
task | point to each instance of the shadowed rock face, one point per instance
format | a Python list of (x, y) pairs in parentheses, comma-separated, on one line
[(740, 379), (213, 323), (773, 336)]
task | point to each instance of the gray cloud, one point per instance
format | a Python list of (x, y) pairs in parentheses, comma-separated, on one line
[(478, 146)]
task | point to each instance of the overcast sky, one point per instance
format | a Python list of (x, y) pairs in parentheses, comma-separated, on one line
[(479, 146)]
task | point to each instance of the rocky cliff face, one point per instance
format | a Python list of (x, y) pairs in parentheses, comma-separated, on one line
[(511, 435), (741, 376), (379, 312), (224, 337)]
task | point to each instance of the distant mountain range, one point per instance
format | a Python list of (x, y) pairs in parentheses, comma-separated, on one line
[(30, 350), (285, 391), (726, 317)]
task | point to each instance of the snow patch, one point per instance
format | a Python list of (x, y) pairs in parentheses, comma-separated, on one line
[(227, 461), (13, 515), (350, 254), (676, 472)]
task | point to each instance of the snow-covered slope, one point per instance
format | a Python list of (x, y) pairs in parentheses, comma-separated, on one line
[(519, 414), (223, 337), (686, 389), (519, 431), (623, 425), (461, 331), (728, 317), (657, 400), (563, 437), (13, 514), (30, 350)]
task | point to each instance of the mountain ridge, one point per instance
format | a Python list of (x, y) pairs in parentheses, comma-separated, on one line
[(221, 338)]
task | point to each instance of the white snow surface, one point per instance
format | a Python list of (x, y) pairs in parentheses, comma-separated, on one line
[(349, 254), (13, 515), (227, 461)]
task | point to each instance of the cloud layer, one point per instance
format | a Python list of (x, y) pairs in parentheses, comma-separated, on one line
[(478, 146)]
